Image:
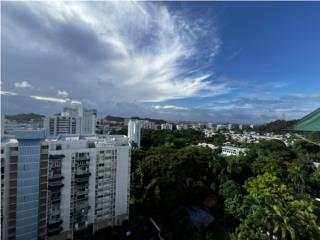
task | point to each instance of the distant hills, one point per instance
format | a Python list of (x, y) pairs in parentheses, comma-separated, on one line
[(277, 126), (25, 117)]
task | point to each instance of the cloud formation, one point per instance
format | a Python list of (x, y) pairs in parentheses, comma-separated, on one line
[(100, 50), (23, 84)]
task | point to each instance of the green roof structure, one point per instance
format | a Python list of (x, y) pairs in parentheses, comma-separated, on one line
[(310, 123)]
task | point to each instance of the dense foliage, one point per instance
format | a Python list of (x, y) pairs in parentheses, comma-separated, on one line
[(266, 194)]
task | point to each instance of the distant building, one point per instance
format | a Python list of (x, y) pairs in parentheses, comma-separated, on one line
[(57, 125), (233, 151), (240, 127), (166, 126), (221, 126), (210, 125), (134, 131), (230, 126), (251, 126), (72, 121), (181, 127), (88, 121)]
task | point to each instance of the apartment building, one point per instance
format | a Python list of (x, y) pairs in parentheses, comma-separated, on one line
[(166, 126), (89, 179), (62, 124), (24, 162), (72, 121), (55, 187), (134, 131)]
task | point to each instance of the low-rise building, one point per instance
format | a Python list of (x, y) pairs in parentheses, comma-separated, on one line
[(233, 151)]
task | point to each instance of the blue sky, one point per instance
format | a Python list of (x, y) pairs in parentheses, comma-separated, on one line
[(248, 62)]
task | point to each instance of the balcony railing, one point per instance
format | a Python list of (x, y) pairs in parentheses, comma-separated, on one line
[(55, 178), (55, 185), (82, 174), (56, 157), (54, 231), (54, 224)]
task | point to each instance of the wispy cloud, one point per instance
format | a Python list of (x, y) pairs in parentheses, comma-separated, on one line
[(50, 99), (7, 93), (105, 48), (172, 107)]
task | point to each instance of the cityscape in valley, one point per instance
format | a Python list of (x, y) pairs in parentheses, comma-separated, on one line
[(137, 120)]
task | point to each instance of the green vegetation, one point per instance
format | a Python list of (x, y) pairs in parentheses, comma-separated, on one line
[(278, 126), (266, 194), (25, 117)]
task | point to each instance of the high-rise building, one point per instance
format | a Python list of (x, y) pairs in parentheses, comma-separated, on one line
[(88, 121), (72, 121), (57, 125), (230, 126), (89, 180), (57, 187), (25, 162), (134, 131)]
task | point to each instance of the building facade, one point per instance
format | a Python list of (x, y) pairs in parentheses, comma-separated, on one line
[(57, 125), (89, 179), (134, 131), (25, 186), (55, 187)]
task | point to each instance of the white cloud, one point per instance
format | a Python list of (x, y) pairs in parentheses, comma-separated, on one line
[(50, 99), (23, 84), (7, 93), (139, 46), (63, 93), (171, 107)]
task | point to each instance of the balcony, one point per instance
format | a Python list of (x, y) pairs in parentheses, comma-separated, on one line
[(55, 178), (81, 181), (82, 174), (54, 231), (56, 157), (55, 185), (54, 224)]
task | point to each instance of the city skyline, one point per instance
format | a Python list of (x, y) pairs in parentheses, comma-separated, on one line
[(209, 61)]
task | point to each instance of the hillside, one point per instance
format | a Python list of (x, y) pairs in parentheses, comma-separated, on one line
[(277, 126), (25, 117)]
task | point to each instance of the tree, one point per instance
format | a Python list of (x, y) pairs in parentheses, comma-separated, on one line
[(271, 156), (272, 210)]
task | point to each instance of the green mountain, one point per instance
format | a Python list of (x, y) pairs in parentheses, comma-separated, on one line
[(278, 126), (25, 117)]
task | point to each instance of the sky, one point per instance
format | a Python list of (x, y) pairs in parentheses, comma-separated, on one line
[(238, 62)]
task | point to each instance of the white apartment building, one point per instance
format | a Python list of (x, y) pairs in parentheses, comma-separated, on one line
[(89, 178), (72, 121), (83, 182), (181, 127), (230, 126), (88, 121), (233, 151), (134, 131), (166, 126), (62, 124)]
